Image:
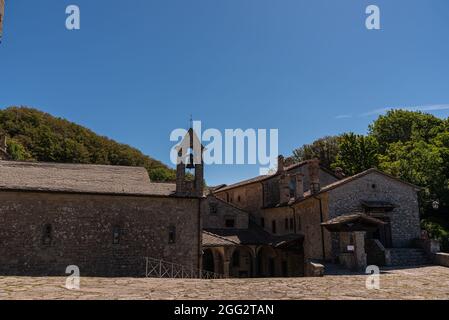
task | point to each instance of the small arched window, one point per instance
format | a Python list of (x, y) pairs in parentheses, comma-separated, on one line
[(116, 235), (171, 234), (47, 235)]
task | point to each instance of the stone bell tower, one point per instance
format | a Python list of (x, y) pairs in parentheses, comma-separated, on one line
[(190, 159)]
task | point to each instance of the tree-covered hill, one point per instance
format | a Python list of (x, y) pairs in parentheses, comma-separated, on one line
[(37, 136)]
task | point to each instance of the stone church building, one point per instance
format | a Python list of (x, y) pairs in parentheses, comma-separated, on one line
[(367, 218), (107, 219)]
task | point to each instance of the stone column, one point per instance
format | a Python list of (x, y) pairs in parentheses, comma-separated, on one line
[(226, 265), (360, 254)]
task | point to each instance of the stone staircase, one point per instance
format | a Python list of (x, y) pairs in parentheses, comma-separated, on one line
[(408, 257)]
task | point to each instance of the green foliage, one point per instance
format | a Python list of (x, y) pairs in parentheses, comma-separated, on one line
[(438, 232), (356, 153), (38, 136), (325, 149), (403, 126), (17, 151)]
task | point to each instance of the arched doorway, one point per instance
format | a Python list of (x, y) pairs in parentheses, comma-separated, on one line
[(208, 260), (241, 265), (267, 262)]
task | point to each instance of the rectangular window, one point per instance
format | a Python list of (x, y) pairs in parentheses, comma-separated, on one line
[(230, 223), (273, 226), (116, 235), (171, 234), (47, 235), (213, 208)]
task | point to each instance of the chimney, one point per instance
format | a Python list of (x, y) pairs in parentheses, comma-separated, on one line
[(314, 176), (280, 163), (299, 192), (284, 188)]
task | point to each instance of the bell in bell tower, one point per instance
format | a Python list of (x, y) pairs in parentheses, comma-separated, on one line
[(190, 167)]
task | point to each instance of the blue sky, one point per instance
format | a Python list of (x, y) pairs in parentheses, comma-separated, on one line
[(137, 69)]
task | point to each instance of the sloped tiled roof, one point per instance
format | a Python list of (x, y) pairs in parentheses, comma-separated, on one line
[(213, 240), (342, 182), (79, 178), (364, 173), (253, 235), (266, 177), (352, 222)]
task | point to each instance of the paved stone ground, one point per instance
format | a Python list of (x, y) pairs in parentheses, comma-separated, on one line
[(430, 282)]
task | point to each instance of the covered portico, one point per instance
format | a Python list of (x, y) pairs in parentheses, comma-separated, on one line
[(241, 253), (351, 231)]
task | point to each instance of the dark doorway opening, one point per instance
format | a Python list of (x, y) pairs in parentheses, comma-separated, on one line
[(271, 267), (208, 260), (383, 233)]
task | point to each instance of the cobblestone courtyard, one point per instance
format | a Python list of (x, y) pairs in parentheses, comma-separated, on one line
[(430, 282)]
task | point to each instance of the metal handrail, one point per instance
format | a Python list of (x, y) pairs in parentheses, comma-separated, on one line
[(157, 268)]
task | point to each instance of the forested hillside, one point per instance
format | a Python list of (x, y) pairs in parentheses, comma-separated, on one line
[(37, 136), (413, 146)]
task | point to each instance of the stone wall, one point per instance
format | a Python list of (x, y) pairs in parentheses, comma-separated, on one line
[(254, 197), (282, 217), (309, 218), (215, 212), (307, 221), (405, 221), (441, 259), (82, 233), (248, 197)]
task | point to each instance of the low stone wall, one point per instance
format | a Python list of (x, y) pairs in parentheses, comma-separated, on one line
[(441, 259), (314, 269)]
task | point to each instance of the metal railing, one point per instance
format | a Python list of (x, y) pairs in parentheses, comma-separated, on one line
[(157, 268)]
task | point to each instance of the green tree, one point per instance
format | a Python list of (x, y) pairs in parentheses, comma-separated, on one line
[(399, 125), (325, 149), (356, 153)]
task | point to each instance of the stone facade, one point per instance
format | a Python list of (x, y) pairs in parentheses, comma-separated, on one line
[(103, 219), (263, 192), (43, 233), (216, 213), (404, 218)]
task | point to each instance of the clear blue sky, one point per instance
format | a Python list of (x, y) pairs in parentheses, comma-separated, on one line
[(137, 69)]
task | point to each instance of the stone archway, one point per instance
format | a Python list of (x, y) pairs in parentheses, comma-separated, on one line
[(208, 260), (213, 260), (267, 261), (241, 263)]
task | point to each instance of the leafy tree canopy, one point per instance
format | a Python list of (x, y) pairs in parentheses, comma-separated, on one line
[(38, 136)]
